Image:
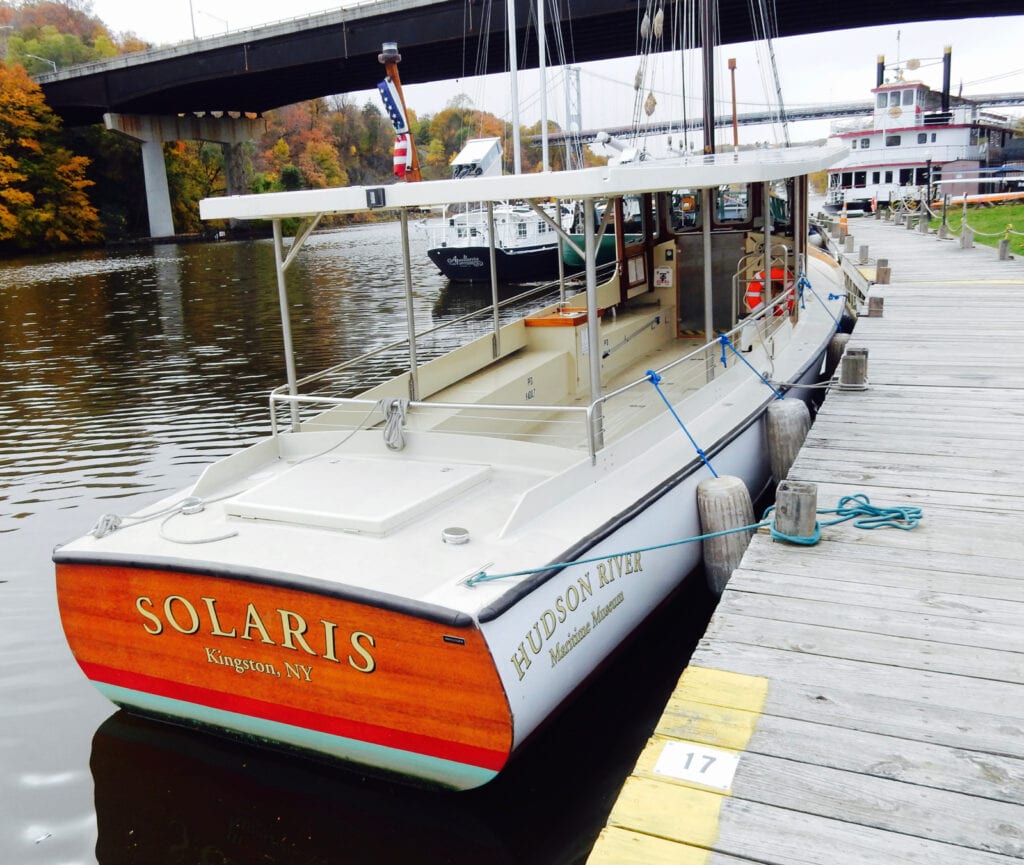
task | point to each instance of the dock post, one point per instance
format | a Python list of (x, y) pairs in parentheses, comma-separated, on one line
[(883, 273), (967, 238), (922, 223), (796, 509), (848, 243), (853, 369), (875, 305), (1004, 249), (723, 504)]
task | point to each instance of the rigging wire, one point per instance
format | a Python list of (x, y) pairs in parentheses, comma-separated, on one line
[(764, 27)]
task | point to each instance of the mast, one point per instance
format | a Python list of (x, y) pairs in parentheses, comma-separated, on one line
[(542, 61), (707, 47), (513, 63)]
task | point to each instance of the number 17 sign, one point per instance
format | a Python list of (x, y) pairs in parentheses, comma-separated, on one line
[(709, 767)]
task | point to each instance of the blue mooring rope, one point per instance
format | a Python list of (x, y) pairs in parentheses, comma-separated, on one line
[(855, 507), (727, 343), (655, 379), (864, 514)]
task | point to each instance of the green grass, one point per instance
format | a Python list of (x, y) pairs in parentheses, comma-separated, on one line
[(991, 219)]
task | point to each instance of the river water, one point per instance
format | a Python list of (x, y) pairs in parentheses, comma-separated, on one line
[(123, 374)]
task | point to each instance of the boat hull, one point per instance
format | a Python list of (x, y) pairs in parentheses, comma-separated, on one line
[(283, 661), (473, 263), (295, 667)]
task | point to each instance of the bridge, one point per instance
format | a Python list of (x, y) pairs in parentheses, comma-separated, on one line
[(831, 111), (252, 71), (226, 79)]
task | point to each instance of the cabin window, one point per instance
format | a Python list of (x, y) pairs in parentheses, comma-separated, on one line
[(865, 143), (881, 101), (732, 203), (888, 177), (894, 97), (847, 179), (875, 177), (922, 176), (853, 144), (892, 140), (632, 218), (922, 137), (860, 179), (908, 97), (933, 137), (521, 229), (906, 176), (685, 209)]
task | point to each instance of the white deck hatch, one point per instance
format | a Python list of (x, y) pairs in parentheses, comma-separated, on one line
[(356, 495)]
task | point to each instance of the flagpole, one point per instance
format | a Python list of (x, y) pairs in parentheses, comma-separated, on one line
[(390, 57)]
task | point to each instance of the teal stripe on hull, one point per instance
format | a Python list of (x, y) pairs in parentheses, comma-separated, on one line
[(431, 769)]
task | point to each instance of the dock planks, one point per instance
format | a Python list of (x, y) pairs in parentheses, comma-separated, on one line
[(871, 686)]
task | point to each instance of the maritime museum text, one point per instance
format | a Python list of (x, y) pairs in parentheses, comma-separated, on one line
[(550, 628)]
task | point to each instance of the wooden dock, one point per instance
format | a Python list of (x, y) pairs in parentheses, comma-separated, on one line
[(862, 700)]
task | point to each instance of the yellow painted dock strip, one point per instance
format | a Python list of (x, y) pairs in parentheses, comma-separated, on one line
[(709, 708)]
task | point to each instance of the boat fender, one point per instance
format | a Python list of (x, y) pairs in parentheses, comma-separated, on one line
[(787, 423), (754, 298), (724, 505), (836, 347)]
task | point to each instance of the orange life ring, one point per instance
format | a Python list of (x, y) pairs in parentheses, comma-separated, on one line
[(781, 280)]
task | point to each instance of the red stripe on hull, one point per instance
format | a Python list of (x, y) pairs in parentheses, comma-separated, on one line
[(349, 729)]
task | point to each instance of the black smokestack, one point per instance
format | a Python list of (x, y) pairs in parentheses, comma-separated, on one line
[(880, 71), (946, 58)]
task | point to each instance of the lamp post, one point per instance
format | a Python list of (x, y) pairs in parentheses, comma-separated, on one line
[(735, 127), (215, 18), (44, 59), (928, 174), (192, 18)]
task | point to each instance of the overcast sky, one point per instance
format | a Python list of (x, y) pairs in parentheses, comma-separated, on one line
[(823, 68)]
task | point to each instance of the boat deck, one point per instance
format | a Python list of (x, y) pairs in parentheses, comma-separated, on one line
[(861, 700)]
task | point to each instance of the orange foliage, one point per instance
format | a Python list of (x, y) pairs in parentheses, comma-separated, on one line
[(43, 202)]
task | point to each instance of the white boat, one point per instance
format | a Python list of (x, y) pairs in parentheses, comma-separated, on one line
[(414, 578), (526, 247), (920, 145)]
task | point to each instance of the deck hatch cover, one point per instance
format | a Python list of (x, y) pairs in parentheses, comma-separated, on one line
[(356, 495)]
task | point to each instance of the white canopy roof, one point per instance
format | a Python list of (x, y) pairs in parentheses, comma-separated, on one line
[(693, 172)]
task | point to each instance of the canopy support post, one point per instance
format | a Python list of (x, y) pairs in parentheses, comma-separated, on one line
[(280, 263), (410, 320), (593, 324)]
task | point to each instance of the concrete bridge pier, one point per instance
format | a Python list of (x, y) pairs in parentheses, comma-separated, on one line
[(152, 131)]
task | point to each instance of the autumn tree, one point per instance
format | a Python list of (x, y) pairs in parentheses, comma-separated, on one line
[(195, 170), (61, 33), (43, 203)]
